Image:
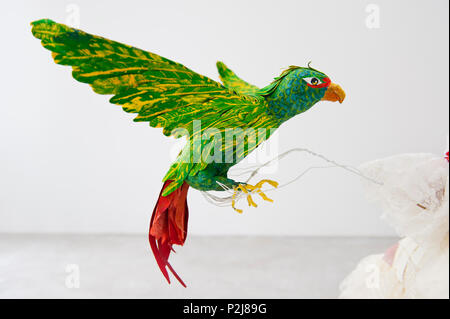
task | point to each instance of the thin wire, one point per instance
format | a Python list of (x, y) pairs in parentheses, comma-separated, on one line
[(226, 200), (334, 164)]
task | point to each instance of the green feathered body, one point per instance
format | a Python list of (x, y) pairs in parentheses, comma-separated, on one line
[(184, 103)]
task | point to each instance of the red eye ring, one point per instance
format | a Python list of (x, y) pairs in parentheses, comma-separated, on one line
[(325, 82)]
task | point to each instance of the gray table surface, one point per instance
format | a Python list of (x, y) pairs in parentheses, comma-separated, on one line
[(122, 266)]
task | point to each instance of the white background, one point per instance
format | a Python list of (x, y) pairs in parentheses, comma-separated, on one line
[(72, 162)]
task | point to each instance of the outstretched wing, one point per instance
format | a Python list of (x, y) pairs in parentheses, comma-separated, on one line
[(162, 92), (233, 82)]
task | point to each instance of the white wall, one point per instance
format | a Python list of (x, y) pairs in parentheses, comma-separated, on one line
[(72, 162)]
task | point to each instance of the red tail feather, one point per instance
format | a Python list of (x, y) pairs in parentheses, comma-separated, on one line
[(168, 227)]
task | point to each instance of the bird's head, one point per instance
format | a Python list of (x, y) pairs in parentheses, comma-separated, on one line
[(297, 89)]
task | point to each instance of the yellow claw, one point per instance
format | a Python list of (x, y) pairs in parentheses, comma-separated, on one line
[(249, 189), (243, 188), (250, 201), (233, 202), (268, 181), (264, 196), (240, 211)]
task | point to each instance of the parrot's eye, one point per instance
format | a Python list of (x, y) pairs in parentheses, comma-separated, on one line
[(312, 81)]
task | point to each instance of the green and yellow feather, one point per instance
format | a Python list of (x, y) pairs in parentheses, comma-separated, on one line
[(161, 92)]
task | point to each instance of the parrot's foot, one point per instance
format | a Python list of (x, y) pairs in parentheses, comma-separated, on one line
[(249, 190)]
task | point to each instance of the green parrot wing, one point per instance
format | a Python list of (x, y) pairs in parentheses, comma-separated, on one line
[(162, 92), (233, 82)]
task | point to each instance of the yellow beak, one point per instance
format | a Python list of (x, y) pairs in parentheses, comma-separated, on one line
[(334, 93)]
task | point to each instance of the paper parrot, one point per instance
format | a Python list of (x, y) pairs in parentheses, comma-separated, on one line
[(166, 94)]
